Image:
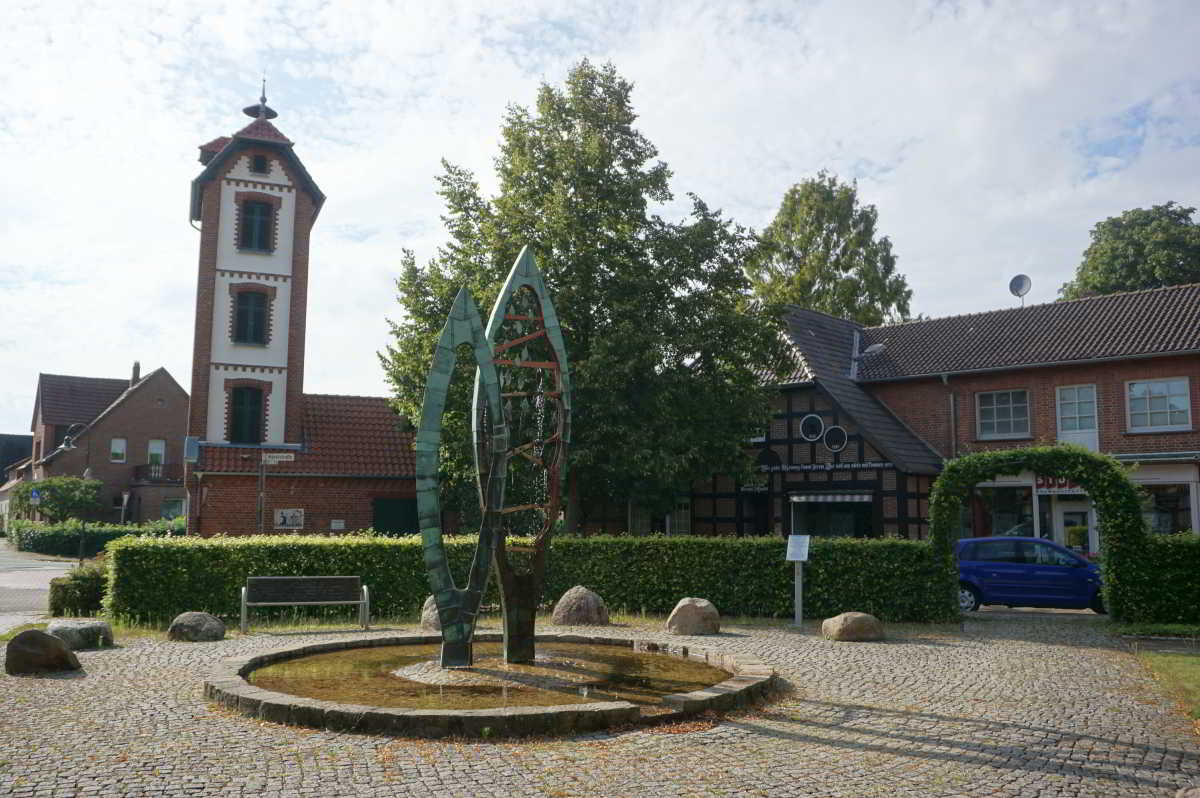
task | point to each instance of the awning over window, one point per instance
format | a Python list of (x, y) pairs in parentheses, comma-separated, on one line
[(832, 497)]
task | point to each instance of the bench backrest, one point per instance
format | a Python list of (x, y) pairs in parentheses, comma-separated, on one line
[(300, 589)]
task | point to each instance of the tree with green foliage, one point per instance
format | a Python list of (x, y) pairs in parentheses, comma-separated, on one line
[(822, 252), (61, 498), (663, 352), (1137, 250)]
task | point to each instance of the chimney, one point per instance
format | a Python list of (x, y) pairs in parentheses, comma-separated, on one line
[(137, 373)]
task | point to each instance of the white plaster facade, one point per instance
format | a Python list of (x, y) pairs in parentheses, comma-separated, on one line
[(230, 360)]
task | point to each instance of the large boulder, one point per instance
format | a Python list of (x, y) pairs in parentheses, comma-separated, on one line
[(852, 626), (80, 633), (430, 620), (196, 627), (34, 651), (694, 616), (580, 607)]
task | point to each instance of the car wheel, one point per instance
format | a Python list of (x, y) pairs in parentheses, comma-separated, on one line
[(1098, 604), (968, 598)]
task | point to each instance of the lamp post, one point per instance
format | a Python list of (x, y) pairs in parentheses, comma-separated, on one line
[(69, 444)]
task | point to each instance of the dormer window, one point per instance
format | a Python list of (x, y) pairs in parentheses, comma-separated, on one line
[(259, 165)]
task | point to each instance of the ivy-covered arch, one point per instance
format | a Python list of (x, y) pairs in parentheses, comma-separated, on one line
[(1106, 482)]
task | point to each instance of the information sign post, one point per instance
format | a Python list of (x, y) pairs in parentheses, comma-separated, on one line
[(797, 552)]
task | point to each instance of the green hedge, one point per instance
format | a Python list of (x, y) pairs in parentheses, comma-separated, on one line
[(1162, 581), (80, 592), (63, 539), (156, 579)]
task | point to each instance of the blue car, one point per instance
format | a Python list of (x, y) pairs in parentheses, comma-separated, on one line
[(1025, 572)]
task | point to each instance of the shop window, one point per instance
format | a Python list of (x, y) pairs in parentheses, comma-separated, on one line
[(1002, 511), (1167, 508), (116, 450), (1159, 405), (246, 415), (1003, 414)]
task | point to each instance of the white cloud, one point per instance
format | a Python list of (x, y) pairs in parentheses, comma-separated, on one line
[(990, 136)]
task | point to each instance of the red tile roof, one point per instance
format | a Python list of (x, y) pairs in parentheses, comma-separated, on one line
[(1159, 321), (262, 130), (74, 400), (343, 436), (216, 145)]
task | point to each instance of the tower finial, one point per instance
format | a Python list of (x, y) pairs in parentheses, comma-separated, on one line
[(260, 110)]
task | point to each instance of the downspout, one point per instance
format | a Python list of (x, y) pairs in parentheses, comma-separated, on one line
[(953, 416)]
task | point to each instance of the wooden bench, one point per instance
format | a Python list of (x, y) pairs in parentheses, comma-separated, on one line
[(294, 591)]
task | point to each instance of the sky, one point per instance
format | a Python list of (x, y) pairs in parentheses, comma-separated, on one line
[(990, 136)]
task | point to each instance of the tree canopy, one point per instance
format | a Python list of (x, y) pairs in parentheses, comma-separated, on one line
[(1141, 248), (822, 251), (662, 350), (61, 498)]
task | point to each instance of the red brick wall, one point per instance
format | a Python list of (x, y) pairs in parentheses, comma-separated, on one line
[(227, 503), (924, 406)]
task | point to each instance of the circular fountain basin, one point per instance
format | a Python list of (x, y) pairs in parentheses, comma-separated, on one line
[(393, 685)]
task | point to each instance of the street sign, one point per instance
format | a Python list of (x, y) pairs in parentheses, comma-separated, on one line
[(797, 550), (35, 497), (271, 458)]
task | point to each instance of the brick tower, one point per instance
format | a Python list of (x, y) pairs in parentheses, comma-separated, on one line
[(256, 205)]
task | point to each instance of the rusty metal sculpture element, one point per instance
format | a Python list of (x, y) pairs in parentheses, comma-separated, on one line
[(459, 608), (530, 357)]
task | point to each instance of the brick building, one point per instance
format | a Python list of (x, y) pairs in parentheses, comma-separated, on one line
[(862, 427), (265, 455), (127, 433)]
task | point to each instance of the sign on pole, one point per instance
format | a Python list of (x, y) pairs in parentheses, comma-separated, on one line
[(797, 552), (271, 458), (35, 497)]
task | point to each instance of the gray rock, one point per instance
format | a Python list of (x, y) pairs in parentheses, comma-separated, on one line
[(580, 607), (196, 627), (852, 626), (1188, 792), (694, 616), (430, 622), (80, 633), (34, 651)]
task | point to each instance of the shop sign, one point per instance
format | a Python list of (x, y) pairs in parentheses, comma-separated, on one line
[(867, 466), (1057, 486)]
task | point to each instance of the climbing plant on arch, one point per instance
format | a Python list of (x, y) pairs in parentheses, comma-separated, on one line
[(1106, 482)]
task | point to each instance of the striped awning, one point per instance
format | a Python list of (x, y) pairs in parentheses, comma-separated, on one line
[(832, 497)]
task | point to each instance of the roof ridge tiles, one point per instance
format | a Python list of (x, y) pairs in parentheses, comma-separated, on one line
[(1052, 303)]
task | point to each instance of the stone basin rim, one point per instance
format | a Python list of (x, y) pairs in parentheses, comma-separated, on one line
[(226, 685)]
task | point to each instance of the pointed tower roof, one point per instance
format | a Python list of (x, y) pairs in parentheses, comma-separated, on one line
[(259, 133)]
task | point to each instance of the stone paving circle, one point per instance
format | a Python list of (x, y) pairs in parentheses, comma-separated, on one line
[(1010, 704)]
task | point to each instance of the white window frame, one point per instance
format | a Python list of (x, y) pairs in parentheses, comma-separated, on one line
[(1095, 407), (150, 451), (112, 449), (1002, 436), (1187, 393)]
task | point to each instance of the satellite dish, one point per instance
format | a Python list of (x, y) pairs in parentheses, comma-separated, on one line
[(1019, 286)]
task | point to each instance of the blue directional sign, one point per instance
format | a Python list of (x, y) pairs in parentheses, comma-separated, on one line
[(35, 497)]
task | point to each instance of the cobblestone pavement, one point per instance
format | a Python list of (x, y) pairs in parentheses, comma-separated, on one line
[(1013, 705)]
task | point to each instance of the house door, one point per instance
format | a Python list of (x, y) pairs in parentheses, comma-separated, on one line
[(395, 516), (1074, 526), (1077, 416)]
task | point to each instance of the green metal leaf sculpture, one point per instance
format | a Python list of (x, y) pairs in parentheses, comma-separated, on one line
[(530, 357), (459, 608)]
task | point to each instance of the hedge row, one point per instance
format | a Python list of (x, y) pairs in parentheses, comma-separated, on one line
[(1161, 582), (63, 539), (80, 592), (155, 579)]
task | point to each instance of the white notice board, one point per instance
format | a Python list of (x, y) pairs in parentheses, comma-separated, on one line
[(797, 550)]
